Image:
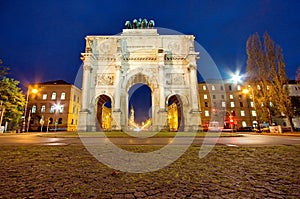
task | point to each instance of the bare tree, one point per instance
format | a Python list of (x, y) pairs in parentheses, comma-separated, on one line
[(268, 79)]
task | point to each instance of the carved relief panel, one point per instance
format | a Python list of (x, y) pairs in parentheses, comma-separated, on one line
[(105, 79)]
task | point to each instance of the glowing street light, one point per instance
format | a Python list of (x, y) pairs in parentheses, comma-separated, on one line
[(34, 91)]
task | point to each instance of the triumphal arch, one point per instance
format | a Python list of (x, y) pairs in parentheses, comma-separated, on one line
[(165, 63)]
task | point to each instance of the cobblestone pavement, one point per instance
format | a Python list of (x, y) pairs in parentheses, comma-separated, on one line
[(226, 172)]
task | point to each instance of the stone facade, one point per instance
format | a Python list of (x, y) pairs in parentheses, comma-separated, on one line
[(165, 63)]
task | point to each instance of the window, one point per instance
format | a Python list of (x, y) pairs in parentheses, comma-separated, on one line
[(241, 104), (258, 87), (214, 96), (244, 124), (238, 87), (223, 104), (52, 109), (213, 87), (206, 104), (72, 122), (231, 104), (59, 121), (204, 87), (222, 88), (43, 109), (53, 97), (222, 96), (63, 96), (230, 96), (74, 99), (215, 104), (230, 88), (252, 104), (206, 113), (242, 113), (33, 109), (44, 96), (205, 96), (240, 96), (254, 113), (61, 108)]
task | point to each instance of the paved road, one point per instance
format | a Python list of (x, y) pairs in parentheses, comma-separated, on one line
[(245, 140)]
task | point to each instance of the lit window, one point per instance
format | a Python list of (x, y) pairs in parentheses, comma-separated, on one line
[(231, 104), (253, 113), (43, 109), (63, 96), (271, 104), (252, 104), (230, 96), (44, 96), (204, 87), (33, 109), (223, 104), (238, 87), (213, 87), (206, 113), (244, 124), (52, 109), (53, 97), (258, 87), (61, 108), (205, 96), (242, 113)]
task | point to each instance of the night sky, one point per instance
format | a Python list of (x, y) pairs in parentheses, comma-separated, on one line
[(42, 40)]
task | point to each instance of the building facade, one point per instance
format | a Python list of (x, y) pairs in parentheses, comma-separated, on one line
[(53, 106), (236, 107), (227, 101)]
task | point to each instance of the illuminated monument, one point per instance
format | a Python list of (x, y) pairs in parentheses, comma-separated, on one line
[(165, 63)]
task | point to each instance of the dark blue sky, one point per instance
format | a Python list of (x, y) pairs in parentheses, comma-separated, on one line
[(42, 40)]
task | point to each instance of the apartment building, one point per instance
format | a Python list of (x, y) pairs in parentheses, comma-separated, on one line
[(226, 101), (53, 106)]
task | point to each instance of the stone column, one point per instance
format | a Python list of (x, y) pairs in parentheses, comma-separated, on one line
[(194, 87), (161, 65), (83, 115), (116, 112)]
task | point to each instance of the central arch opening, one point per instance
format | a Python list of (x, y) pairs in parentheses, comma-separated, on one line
[(139, 107)]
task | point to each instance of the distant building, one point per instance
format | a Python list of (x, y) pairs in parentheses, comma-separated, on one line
[(237, 109), (55, 105), (225, 100)]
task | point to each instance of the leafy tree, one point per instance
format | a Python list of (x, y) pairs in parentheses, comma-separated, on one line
[(11, 97), (268, 79)]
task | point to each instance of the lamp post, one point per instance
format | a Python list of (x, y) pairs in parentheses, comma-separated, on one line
[(34, 91), (246, 91)]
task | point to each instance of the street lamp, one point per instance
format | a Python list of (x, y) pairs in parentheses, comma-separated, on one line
[(246, 91), (34, 91)]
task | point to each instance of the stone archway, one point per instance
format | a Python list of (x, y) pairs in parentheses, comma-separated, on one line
[(175, 113), (165, 63)]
